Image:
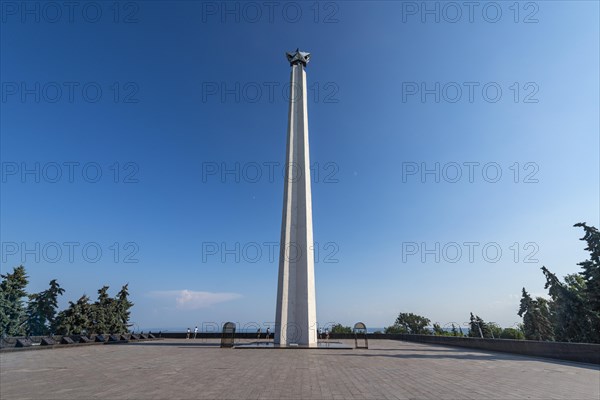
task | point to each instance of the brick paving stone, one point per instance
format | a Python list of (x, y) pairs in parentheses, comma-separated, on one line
[(199, 369)]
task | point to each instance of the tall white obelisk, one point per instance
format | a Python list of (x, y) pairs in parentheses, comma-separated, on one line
[(296, 315)]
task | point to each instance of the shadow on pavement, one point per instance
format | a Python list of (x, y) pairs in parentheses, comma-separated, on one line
[(476, 357), (175, 344)]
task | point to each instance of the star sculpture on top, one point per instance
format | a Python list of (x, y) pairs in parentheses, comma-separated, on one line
[(298, 57)]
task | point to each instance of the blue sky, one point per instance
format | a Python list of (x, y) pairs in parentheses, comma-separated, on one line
[(181, 107)]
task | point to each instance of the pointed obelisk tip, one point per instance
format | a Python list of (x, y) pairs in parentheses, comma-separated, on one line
[(298, 57)]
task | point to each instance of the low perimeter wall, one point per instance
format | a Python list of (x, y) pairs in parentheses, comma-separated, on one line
[(580, 352)]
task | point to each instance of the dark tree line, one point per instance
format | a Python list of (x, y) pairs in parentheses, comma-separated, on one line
[(339, 328), (409, 323), (416, 324), (572, 314), (39, 317)]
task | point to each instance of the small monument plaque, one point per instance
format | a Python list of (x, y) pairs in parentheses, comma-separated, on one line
[(228, 335), (82, 339), (360, 334), (68, 340), (24, 343), (48, 341)]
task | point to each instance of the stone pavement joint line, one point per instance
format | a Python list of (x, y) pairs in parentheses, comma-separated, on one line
[(199, 369)]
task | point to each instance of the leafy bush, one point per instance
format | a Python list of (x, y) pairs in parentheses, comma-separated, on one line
[(512, 333)]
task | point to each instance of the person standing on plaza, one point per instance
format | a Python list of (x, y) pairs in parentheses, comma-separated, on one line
[(188, 333), (195, 331)]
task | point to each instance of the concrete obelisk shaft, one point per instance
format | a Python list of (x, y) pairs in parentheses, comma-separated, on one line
[(296, 319)]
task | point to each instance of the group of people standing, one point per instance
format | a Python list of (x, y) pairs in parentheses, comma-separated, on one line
[(267, 335), (324, 334), (189, 333)]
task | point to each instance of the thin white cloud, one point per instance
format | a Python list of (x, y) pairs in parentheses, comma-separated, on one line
[(193, 300)]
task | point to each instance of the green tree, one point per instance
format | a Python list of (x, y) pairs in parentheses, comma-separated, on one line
[(512, 333), (495, 330), (412, 323), (569, 312), (478, 328), (454, 331), (106, 315), (536, 318), (12, 309), (103, 316), (573, 311), (121, 308), (76, 319), (395, 329), (339, 328), (591, 277), (439, 331), (41, 309)]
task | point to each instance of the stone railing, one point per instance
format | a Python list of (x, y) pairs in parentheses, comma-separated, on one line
[(33, 342), (580, 352)]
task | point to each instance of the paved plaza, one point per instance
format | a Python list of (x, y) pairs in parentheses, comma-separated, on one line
[(193, 369)]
